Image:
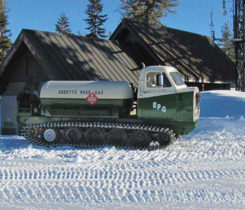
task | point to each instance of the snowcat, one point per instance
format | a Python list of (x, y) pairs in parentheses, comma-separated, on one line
[(112, 112)]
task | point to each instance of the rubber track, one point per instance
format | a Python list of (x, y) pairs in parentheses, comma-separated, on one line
[(153, 129)]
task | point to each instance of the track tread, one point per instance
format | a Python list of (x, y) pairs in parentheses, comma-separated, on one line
[(129, 127)]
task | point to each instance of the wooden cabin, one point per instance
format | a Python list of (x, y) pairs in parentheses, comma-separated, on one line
[(199, 60)]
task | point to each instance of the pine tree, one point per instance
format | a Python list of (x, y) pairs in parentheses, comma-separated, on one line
[(95, 19), (63, 25), (147, 11), (226, 44), (5, 42), (132, 9)]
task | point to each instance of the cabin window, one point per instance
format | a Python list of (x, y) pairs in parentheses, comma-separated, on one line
[(177, 78), (156, 80)]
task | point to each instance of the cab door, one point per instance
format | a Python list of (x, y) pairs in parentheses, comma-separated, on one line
[(157, 99)]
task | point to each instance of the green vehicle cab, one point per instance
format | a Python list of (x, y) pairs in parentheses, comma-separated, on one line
[(163, 97)]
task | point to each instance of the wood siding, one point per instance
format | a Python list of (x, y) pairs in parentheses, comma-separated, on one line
[(23, 69)]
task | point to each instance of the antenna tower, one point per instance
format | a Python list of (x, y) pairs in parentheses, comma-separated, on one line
[(212, 26), (239, 41), (224, 12)]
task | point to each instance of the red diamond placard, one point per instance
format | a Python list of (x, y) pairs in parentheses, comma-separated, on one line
[(92, 98)]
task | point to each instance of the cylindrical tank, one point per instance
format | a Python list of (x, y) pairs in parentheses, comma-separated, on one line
[(86, 98)]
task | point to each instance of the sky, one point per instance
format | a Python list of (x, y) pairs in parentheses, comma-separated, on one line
[(191, 15)]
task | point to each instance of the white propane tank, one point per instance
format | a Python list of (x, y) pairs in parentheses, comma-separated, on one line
[(81, 89)]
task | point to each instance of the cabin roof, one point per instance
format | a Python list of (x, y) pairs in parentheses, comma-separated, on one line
[(65, 57), (196, 56)]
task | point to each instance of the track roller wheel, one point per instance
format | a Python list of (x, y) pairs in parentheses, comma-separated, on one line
[(140, 138), (32, 133), (164, 138), (95, 136), (117, 137), (73, 135), (50, 135)]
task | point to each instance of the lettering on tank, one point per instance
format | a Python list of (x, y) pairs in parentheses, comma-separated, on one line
[(81, 92), (86, 92), (67, 92)]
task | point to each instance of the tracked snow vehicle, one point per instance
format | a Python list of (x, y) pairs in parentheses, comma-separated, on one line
[(111, 112)]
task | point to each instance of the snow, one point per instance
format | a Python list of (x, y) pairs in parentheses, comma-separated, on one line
[(202, 170)]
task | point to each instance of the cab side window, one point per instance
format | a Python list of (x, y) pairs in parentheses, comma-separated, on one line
[(156, 80), (151, 79)]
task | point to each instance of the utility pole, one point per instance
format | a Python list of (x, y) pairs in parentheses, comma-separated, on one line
[(239, 42), (212, 26)]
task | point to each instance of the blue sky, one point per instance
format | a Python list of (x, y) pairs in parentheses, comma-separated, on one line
[(191, 15)]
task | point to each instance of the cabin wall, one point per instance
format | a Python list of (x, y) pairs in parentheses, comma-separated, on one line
[(27, 70), (8, 115), (34, 74), (13, 73), (22, 74)]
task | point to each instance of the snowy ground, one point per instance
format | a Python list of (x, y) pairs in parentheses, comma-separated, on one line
[(205, 169)]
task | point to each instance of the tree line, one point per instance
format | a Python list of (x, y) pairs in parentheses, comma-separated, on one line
[(146, 11), (5, 33)]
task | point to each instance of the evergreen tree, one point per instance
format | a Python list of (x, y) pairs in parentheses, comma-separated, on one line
[(226, 43), (147, 11), (63, 25), (95, 19), (5, 42), (132, 9)]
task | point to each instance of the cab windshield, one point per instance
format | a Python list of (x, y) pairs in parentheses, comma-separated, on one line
[(177, 79)]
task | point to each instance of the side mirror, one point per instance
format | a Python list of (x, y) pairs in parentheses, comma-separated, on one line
[(160, 80)]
